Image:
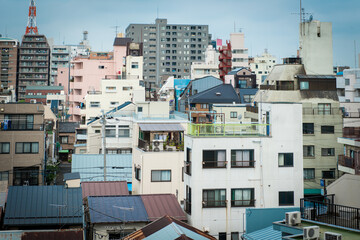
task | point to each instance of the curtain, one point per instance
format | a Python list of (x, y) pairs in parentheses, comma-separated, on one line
[(246, 158), (221, 158), (246, 197), (281, 159), (27, 147), (35, 147), (5, 148), (165, 175)]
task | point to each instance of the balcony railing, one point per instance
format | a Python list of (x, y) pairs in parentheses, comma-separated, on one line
[(327, 212), (242, 164), (351, 132), (168, 146), (10, 126), (243, 203), (317, 111), (228, 130), (352, 115), (214, 164), (213, 203)]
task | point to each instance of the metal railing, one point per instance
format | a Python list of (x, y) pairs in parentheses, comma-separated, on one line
[(351, 132), (327, 212), (317, 111), (352, 115), (214, 164), (228, 130), (167, 146), (21, 127), (243, 164), (346, 161), (213, 203), (243, 203)]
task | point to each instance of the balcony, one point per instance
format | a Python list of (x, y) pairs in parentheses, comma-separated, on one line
[(229, 130), (351, 115), (76, 98), (120, 77), (346, 164), (351, 132), (161, 146), (324, 210), (13, 126), (214, 164), (316, 111)]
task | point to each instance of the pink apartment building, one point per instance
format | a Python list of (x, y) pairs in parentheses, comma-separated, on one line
[(86, 74)]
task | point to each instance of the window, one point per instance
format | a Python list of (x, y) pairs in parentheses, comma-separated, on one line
[(308, 128), (248, 98), (242, 158), (309, 173), (124, 131), (286, 159), (304, 85), (242, 197), (161, 175), (94, 104), (110, 131), (222, 235), (101, 67), (110, 89), (4, 147), (286, 198), (214, 159), (309, 151), (27, 147), (19, 122), (135, 65), (188, 161), (187, 204), (347, 82), (233, 114), (327, 129), (140, 109), (64, 139), (214, 198), (328, 152), (235, 236), (26, 176), (4, 176), (112, 104), (97, 131), (328, 174), (204, 106), (324, 108), (127, 88), (137, 171)]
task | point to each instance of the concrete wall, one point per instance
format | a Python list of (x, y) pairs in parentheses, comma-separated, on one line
[(346, 190)]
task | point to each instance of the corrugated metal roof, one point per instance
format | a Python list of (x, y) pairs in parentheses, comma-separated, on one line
[(224, 93), (68, 127), (161, 127), (107, 188), (159, 205), (168, 228), (121, 41), (73, 234), (39, 205), (91, 167), (108, 209), (71, 176), (307, 76), (264, 234), (3, 196)]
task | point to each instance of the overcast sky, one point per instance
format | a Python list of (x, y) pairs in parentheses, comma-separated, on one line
[(271, 24)]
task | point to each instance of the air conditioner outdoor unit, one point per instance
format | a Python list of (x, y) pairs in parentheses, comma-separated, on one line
[(332, 236), (158, 145), (310, 233), (292, 218)]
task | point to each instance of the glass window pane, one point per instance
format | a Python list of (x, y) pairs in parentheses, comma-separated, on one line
[(19, 148), (35, 147), (155, 176), (5, 148), (27, 147)]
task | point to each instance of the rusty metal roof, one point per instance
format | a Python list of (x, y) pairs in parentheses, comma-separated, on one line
[(159, 205), (101, 188), (73, 234)]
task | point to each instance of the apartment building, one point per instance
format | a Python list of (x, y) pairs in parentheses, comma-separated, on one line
[(231, 167), (39, 94), (322, 119), (262, 65), (60, 57), (22, 139), (209, 67), (169, 49), (8, 62), (34, 63), (240, 56)]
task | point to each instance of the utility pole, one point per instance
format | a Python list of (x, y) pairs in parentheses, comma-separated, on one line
[(103, 122)]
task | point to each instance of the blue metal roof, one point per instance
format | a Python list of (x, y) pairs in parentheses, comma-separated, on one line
[(91, 167), (264, 234), (112, 111), (117, 209), (174, 231), (71, 176), (43, 205)]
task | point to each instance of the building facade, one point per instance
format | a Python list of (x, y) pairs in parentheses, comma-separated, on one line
[(262, 66), (231, 167), (8, 62), (169, 49), (34, 63), (240, 56), (209, 67), (60, 57)]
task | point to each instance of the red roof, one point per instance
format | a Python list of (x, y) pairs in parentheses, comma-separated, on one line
[(159, 205), (101, 188)]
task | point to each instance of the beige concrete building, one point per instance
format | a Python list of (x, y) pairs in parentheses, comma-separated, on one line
[(22, 143), (262, 66), (322, 119), (346, 190)]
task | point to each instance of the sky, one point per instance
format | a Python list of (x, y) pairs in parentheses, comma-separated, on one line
[(271, 24)]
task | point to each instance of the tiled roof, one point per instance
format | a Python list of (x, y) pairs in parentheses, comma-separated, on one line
[(91, 167), (101, 188), (168, 228), (39, 205), (68, 127), (121, 41), (134, 208)]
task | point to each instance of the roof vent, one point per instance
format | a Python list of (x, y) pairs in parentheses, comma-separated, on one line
[(218, 94)]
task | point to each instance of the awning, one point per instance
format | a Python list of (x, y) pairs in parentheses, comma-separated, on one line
[(162, 127), (64, 151), (311, 191)]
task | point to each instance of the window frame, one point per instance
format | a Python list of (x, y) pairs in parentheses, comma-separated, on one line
[(307, 150), (328, 171), (233, 114), (205, 202), (312, 170), (2, 147), (286, 165), (252, 197), (286, 198), (215, 163), (332, 152), (31, 147), (161, 171), (307, 130), (251, 162), (325, 129)]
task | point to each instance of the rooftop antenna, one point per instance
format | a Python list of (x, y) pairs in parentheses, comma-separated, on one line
[(116, 29), (157, 12), (31, 27)]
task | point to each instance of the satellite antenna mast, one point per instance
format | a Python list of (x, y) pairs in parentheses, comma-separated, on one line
[(31, 27)]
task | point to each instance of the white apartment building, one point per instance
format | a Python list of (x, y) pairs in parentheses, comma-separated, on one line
[(240, 56), (231, 167), (114, 92), (208, 68), (134, 66), (262, 66), (316, 47), (348, 90)]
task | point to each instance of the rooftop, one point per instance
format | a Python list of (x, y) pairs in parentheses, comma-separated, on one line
[(68, 127), (227, 130), (224, 93), (104, 188)]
